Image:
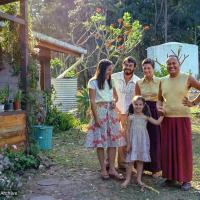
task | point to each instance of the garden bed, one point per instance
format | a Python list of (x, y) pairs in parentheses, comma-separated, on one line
[(13, 128)]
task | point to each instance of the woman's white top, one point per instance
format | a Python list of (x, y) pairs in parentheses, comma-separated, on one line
[(103, 95)]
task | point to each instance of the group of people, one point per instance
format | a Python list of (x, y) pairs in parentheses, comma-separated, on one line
[(145, 122)]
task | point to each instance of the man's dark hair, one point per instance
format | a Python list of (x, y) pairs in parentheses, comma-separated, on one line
[(130, 59)]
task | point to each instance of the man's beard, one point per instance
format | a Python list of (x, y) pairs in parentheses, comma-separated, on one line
[(128, 72)]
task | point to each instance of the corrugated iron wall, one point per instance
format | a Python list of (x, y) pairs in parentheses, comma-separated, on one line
[(66, 90)]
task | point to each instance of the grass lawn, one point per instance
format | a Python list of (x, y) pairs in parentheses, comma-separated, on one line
[(70, 153)]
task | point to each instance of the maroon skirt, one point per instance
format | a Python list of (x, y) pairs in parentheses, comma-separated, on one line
[(155, 141), (176, 149)]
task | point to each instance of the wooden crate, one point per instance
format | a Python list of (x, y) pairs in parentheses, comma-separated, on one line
[(12, 128)]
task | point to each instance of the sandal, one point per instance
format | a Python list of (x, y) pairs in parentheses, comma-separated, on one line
[(186, 186), (116, 176)]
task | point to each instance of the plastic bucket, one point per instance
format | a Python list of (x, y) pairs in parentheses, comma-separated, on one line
[(43, 136)]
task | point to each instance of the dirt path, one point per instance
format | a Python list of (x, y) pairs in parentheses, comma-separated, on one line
[(60, 184), (75, 176)]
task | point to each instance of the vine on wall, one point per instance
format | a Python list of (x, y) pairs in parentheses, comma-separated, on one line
[(10, 45), (9, 38)]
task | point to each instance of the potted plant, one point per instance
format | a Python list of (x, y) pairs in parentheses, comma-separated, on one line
[(2, 100), (8, 103), (4, 94), (17, 100)]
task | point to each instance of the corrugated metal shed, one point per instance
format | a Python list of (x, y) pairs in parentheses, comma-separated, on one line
[(66, 90)]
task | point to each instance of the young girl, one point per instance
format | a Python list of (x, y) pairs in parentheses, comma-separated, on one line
[(138, 144), (104, 128)]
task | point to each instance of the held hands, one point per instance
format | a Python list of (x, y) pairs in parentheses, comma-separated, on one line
[(161, 110), (113, 104), (128, 148), (97, 122), (186, 102)]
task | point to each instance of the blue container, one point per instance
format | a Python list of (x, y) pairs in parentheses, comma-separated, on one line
[(43, 136)]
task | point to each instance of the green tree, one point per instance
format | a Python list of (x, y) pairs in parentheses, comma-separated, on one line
[(57, 67), (113, 41), (181, 22)]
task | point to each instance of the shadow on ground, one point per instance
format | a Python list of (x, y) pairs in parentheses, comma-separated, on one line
[(75, 176)]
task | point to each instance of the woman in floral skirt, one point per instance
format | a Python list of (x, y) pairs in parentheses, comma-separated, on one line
[(104, 129)]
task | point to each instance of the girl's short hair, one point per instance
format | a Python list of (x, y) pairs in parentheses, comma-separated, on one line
[(148, 61), (146, 110)]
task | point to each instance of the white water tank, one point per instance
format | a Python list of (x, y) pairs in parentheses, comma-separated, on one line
[(191, 63)]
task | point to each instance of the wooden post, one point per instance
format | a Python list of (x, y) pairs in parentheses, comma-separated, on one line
[(166, 21), (24, 46), (45, 71), (2, 2), (1, 58)]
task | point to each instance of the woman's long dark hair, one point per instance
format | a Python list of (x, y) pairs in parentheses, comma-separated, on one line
[(101, 73), (146, 110)]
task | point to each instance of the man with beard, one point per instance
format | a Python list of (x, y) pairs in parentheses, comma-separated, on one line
[(124, 82)]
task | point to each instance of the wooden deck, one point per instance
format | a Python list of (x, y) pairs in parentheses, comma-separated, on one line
[(12, 128)]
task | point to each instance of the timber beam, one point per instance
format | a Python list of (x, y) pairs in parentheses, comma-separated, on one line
[(2, 2), (12, 18)]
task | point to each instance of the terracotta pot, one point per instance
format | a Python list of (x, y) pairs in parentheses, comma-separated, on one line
[(17, 105)]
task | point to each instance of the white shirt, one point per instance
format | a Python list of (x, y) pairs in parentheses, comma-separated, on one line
[(125, 91), (104, 95)]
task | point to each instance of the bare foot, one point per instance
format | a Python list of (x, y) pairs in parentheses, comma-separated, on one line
[(142, 185), (125, 184), (114, 174), (134, 171), (104, 175)]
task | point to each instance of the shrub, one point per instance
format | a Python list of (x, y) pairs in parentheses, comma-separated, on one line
[(61, 121), (20, 161), (57, 119), (162, 72), (83, 104), (67, 121), (10, 182), (9, 186), (34, 149), (53, 118)]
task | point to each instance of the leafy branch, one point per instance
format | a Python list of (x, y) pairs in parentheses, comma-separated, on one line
[(108, 41)]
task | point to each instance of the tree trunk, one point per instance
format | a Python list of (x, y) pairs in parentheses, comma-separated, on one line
[(155, 19), (165, 21), (195, 35)]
